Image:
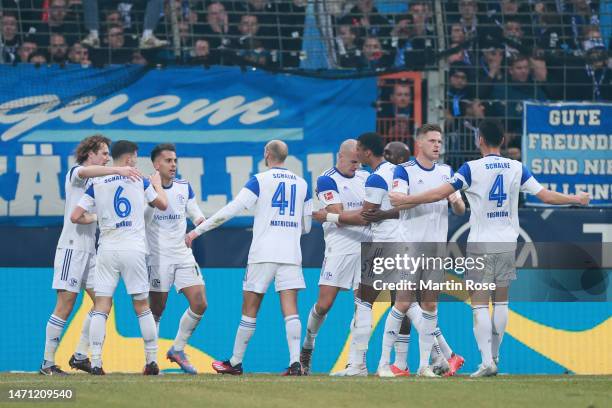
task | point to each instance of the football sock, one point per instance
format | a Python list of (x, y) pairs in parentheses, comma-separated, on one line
[(245, 331), (482, 332), (97, 332), (53, 332), (415, 314), (498, 325), (426, 337), (293, 329), (361, 332), (442, 344), (392, 328), (401, 351), (187, 325), (149, 335), (315, 321), (83, 347)]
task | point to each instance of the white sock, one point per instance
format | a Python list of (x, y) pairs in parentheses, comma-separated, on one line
[(401, 351), (436, 352), (498, 326), (94, 33), (97, 332), (315, 321), (83, 346), (392, 328), (246, 328), (147, 34), (426, 337), (157, 319), (149, 335), (443, 345), (415, 314), (361, 332), (293, 329), (53, 333), (482, 332), (187, 325), (351, 350)]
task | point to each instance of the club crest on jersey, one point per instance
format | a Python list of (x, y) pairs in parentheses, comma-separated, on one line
[(73, 282), (155, 283), (445, 178), (329, 195), (180, 198)]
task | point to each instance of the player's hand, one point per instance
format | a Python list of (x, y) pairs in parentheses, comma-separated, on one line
[(453, 198), (320, 215), (155, 179), (373, 215), (397, 199), (189, 238), (199, 221), (584, 198), (130, 172)]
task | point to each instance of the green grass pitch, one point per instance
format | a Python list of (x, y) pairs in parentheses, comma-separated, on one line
[(261, 390)]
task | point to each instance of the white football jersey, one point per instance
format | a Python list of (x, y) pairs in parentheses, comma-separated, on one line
[(425, 222), (335, 188), (378, 185), (120, 205), (281, 199), (166, 229), (492, 185), (76, 236)]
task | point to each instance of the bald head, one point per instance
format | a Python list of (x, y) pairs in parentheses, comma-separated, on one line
[(396, 152), (275, 152), (347, 162)]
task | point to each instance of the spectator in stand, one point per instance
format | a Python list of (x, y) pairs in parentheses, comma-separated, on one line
[(549, 32), (148, 41), (217, 31), (57, 22), (37, 58), (248, 44), (400, 102), (593, 80), (117, 48), (514, 37), (292, 18), (490, 69), (371, 22), (421, 14), (348, 49), (581, 13), (457, 39), (543, 78), (200, 54), (409, 50), (520, 87), (79, 55), (26, 49), (373, 56), (459, 88), (10, 40), (58, 49), (468, 19)]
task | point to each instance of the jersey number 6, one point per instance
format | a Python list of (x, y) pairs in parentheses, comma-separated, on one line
[(122, 205)]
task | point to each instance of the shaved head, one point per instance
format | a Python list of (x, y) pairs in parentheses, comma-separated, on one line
[(347, 162), (276, 151), (396, 152), (348, 145)]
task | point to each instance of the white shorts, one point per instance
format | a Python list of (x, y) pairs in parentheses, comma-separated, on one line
[(370, 251), (341, 271), (73, 270), (258, 277), (162, 277), (499, 268), (130, 265)]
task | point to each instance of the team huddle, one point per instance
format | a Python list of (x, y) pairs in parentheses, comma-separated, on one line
[(142, 225)]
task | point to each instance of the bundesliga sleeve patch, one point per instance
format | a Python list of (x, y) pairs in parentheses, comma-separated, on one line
[(395, 183), (328, 195)]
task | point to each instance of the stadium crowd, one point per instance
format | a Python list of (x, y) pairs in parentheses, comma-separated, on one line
[(498, 52)]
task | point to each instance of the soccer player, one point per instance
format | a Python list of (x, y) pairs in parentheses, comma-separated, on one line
[(424, 223), (75, 257), (341, 189), (492, 185), (283, 212), (170, 261), (120, 205)]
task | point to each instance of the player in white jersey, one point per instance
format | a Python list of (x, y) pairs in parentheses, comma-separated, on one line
[(426, 223), (75, 255), (283, 212), (120, 206), (341, 190), (492, 185), (170, 261)]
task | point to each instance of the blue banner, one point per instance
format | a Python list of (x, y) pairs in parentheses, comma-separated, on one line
[(219, 118), (568, 148)]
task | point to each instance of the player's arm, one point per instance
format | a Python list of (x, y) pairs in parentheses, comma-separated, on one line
[(531, 186), (376, 188), (85, 172), (456, 202), (193, 209), (329, 196), (155, 193), (307, 213), (246, 198), (83, 212), (403, 201), (400, 185)]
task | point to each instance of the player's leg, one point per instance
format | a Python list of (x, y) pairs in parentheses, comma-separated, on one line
[(499, 320), (80, 360), (362, 326), (402, 344), (482, 331), (254, 285), (196, 296), (157, 302), (316, 317), (288, 280), (393, 323), (161, 279)]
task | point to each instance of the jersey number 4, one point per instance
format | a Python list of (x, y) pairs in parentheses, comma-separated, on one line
[(278, 199), (497, 191), (122, 205)]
